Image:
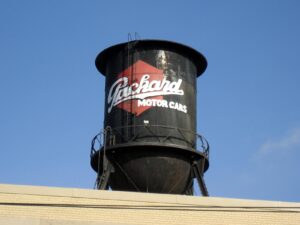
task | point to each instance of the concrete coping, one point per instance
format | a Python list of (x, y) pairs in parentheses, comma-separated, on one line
[(137, 197)]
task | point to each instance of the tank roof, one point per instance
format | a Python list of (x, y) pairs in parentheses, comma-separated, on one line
[(189, 52)]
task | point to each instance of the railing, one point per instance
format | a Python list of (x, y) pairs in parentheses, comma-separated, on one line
[(140, 133)]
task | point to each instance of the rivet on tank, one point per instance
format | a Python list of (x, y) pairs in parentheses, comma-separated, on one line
[(149, 142)]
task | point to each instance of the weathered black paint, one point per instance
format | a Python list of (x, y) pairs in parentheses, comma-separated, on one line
[(156, 147)]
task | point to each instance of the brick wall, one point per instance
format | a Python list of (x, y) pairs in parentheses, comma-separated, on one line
[(63, 206)]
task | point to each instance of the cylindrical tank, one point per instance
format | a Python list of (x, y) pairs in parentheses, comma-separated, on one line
[(150, 115)]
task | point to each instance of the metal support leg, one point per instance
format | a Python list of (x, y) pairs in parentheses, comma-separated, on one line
[(198, 173), (102, 181)]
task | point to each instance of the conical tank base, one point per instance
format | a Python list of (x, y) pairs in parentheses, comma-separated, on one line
[(154, 169)]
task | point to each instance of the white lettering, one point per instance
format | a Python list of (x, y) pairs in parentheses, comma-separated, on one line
[(178, 106), (163, 104), (152, 102), (121, 91)]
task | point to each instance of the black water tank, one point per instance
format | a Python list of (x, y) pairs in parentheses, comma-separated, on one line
[(150, 115)]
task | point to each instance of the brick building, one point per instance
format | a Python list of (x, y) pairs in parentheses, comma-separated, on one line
[(24, 205)]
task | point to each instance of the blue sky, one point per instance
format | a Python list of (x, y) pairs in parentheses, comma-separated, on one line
[(51, 94)]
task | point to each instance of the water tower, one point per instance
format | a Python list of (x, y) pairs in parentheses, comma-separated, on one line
[(149, 141)]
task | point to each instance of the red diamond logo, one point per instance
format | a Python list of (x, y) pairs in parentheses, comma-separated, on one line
[(134, 73)]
